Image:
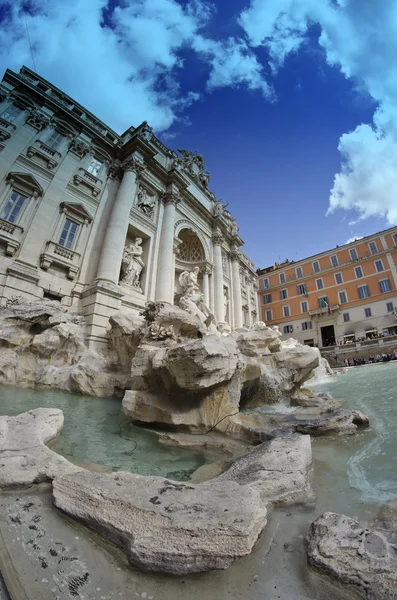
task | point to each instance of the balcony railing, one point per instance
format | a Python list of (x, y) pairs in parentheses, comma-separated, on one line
[(7, 125), (89, 180), (62, 257), (10, 235), (323, 310), (46, 153)]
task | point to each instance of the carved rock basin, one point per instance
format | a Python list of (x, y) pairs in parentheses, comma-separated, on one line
[(162, 525)]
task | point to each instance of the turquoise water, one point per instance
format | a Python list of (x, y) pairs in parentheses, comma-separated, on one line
[(96, 431), (362, 469)]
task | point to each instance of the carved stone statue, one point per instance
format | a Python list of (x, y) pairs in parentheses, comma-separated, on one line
[(218, 209), (192, 299), (234, 228), (192, 163), (132, 264), (146, 203)]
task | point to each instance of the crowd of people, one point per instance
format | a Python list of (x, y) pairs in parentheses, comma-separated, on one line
[(355, 362), (370, 336)]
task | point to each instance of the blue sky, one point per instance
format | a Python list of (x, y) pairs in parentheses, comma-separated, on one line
[(293, 103)]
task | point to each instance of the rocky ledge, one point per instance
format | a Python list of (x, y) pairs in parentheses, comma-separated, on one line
[(163, 525), (24, 457), (172, 527), (363, 558)]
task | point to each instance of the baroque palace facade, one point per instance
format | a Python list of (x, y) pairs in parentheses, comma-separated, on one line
[(102, 221), (337, 296)]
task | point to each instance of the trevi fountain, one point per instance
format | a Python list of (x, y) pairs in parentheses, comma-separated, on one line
[(188, 461)]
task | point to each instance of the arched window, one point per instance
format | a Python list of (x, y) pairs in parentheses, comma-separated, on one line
[(191, 249)]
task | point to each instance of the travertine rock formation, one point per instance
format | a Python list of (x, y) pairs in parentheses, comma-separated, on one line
[(24, 458), (42, 344), (183, 528), (363, 558)]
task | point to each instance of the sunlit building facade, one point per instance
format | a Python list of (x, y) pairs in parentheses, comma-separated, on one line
[(342, 294), (103, 222)]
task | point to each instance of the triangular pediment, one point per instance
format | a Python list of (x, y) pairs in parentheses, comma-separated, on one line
[(26, 180), (77, 209)]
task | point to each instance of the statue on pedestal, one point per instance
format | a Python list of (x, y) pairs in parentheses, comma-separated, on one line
[(192, 299), (132, 265)]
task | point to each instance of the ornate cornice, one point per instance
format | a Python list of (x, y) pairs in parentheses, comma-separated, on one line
[(37, 120), (170, 197), (79, 147), (134, 165)]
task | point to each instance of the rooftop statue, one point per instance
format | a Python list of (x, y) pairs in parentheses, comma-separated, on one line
[(218, 209), (234, 228), (193, 163)]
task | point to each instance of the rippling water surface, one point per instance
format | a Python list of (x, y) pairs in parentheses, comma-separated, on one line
[(96, 431), (362, 469)]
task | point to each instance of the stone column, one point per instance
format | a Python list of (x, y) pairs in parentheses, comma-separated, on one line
[(238, 311), (113, 244), (206, 284), (258, 314), (248, 292), (165, 268), (218, 279)]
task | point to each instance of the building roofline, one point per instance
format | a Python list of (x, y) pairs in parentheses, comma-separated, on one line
[(296, 263)]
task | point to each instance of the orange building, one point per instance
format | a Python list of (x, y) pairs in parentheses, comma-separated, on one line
[(341, 294)]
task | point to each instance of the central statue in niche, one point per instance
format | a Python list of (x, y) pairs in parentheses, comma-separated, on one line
[(192, 299), (132, 265)]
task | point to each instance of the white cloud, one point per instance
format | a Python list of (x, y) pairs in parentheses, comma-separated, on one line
[(359, 37), (354, 239), (126, 72)]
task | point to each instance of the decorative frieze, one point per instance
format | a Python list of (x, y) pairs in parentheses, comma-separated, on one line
[(145, 203)]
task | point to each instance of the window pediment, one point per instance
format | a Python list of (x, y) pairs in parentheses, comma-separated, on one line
[(23, 101), (100, 153), (26, 181), (79, 212), (64, 128)]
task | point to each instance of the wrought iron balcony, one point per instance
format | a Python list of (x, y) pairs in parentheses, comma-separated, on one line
[(323, 310)]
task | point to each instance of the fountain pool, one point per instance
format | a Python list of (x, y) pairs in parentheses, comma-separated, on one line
[(96, 431), (361, 470)]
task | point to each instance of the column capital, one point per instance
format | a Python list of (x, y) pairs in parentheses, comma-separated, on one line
[(134, 165), (206, 269), (234, 255), (218, 239), (170, 197)]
